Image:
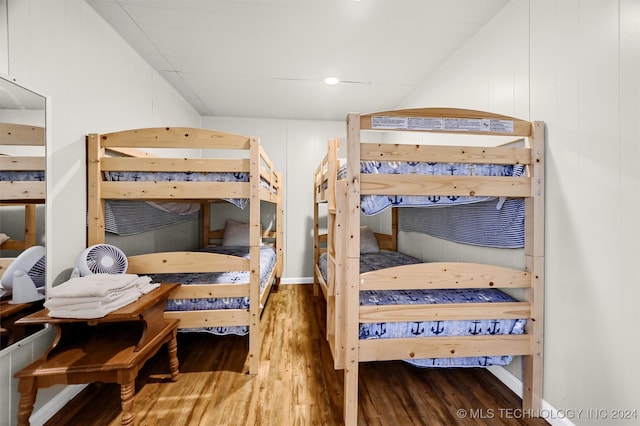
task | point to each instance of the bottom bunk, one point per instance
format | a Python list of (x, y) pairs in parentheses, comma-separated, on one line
[(19, 225), (201, 307), (218, 288), (372, 301)]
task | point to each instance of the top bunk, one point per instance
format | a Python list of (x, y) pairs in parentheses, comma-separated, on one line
[(401, 168), (22, 164), (172, 167)]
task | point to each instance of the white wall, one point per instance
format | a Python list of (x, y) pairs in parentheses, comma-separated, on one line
[(576, 66), (573, 64), (96, 83), (295, 147)]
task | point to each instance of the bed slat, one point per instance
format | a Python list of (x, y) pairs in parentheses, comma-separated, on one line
[(479, 186), (212, 318), (444, 312), (444, 347), (520, 127), (185, 261), (203, 291), (31, 191), (442, 275), (174, 137), (22, 134), (156, 164), (174, 190), (21, 164), (445, 154)]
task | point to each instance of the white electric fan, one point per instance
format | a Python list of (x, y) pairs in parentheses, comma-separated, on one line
[(25, 276), (100, 259)]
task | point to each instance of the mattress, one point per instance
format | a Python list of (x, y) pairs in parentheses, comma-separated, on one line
[(386, 330), (480, 224), (183, 177), (128, 217), (24, 176), (373, 204), (267, 263)]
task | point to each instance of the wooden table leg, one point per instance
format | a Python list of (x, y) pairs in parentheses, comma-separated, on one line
[(27, 388), (172, 346), (127, 392)]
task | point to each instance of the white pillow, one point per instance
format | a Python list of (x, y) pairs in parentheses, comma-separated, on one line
[(368, 242), (236, 234)]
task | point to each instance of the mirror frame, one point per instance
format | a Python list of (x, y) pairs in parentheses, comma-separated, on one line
[(47, 207)]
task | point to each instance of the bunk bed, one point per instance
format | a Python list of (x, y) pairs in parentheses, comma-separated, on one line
[(22, 183), (225, 286), (421, 295)]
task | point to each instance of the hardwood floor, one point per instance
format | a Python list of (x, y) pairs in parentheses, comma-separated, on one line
[(296, 383)]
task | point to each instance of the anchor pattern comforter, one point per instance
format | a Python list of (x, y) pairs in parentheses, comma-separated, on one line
[(385, 330), (267, 263), (372, 204)]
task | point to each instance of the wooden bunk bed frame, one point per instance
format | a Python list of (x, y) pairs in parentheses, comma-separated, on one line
[(25, 194), (342, 242), (130, 145)]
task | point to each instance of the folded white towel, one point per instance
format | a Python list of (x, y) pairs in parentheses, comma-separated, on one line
[(142, 285), (146, 288), (61, 303), (96, 285), (57, 302), (97, 312)]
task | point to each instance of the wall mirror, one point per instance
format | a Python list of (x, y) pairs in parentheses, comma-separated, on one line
[(22, 207)]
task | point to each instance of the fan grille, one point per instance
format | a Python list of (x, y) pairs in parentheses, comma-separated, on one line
[(37, 273), (106, 259)]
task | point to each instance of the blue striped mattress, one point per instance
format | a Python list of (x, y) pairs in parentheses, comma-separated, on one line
[(482, 224), (385, 259)]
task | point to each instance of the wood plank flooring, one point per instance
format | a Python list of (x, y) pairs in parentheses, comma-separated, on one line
[(296, 383)]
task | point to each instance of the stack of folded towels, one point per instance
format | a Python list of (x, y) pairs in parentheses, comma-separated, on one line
[(94, 296)]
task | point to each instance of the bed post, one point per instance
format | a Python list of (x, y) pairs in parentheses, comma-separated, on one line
[(394, 228), (95, 203), (316, 238), (351, 287), (534, 253), (254, 255), (30, 230), (279, 231), (331, 197), (204, 221)]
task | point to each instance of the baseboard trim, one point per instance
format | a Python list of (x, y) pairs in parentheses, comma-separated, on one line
[(548, 412), (55, 404), (300, 280)]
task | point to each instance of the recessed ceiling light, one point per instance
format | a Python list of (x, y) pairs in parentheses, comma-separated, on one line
[(331, 81)]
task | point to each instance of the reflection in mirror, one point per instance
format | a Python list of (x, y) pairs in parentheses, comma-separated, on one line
[(22, 207)]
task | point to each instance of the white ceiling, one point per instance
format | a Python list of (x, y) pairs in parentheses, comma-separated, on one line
[(268, 58)]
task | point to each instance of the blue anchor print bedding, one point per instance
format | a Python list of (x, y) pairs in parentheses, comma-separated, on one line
[(17, 176), (372, 204), (386, 259), (183, 177), (267, 263)]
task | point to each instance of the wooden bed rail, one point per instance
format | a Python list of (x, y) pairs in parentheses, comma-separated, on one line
[(446, 120), (21, 134), (444, 275), (174, 137)]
